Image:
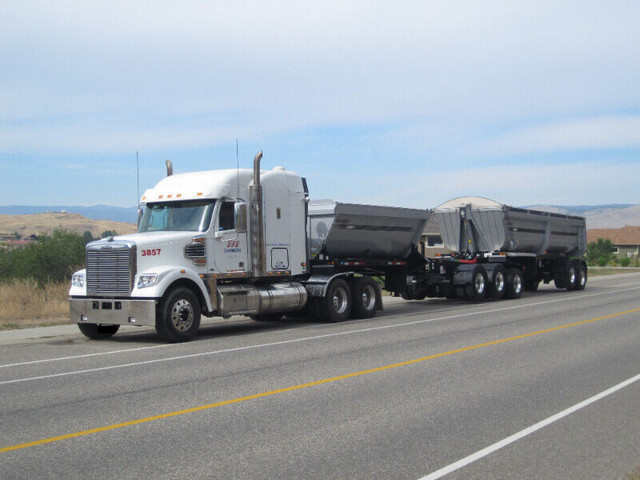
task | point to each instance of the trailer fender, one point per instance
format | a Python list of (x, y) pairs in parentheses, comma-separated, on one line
[(464, 274)]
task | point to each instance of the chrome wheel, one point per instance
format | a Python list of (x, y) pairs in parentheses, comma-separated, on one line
[(498, 282), (479, 284), (340, 300), (182, 315), (368, 297)]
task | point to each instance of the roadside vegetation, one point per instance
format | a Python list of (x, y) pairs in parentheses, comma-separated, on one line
[(600, 254), (34, 279)]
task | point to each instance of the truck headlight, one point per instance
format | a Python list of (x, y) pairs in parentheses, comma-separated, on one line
[(147, 280), (77, 280)]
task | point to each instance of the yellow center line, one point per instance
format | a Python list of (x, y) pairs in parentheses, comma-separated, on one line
[(305, 385)]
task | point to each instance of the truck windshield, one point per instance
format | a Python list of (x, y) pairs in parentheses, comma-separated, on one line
[(188, 216)]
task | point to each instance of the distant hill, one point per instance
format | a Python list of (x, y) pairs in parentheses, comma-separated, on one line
[(40, 223), (95, 212), (599, 216)]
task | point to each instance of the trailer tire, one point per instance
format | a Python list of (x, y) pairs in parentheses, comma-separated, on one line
[(571, 277), (582, 277), (178, 316), (514, 286), (336, 304), (96, 331), (366, 296), (497, 286), (477, 289)]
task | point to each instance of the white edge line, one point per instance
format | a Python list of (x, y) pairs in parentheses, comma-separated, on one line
[(527, 431), (283, 342)]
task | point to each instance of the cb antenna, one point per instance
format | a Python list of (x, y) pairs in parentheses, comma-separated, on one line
[(138, 179), (237, 169)]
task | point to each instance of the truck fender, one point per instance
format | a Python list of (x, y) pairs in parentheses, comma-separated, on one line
[(317, 285), (167, 276)]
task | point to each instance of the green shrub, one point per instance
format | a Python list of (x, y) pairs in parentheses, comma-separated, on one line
[(602, 261), (625, 261), (49, 259), (599, 249)]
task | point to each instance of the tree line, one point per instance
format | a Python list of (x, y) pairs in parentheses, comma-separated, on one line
[(50, 258)]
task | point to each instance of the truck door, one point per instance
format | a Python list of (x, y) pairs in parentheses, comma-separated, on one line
[(229, 245)]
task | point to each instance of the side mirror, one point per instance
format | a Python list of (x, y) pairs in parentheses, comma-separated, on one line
[(240, 211)]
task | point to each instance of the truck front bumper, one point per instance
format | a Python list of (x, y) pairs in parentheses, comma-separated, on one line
[(111, 311)]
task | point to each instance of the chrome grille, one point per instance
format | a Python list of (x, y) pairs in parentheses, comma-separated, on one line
[(110, 269)]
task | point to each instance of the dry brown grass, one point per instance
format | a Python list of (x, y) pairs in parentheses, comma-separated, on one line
[(24, 305), (635, 475), (40, 223)]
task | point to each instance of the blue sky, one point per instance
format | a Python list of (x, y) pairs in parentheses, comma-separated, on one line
[(403, 103)]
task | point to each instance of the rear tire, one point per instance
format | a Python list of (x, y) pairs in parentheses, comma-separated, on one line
[(95, 331), (477, 290), (336, 304), (514, 286), (178, 317), (581, 282), (571, 277), (498, 283), (365, 294)]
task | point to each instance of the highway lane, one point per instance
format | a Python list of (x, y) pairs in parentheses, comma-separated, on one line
[(403, 395)]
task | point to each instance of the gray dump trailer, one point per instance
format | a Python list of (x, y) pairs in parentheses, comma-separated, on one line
[(344, 230), (476, 224)]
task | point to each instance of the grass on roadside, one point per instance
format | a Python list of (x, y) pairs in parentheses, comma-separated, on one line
[(24, 305), (597, 271)]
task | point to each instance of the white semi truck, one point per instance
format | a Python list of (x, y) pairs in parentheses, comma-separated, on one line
[(249, 242)]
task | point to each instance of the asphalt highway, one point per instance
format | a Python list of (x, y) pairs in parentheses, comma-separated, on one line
[(547, 386)]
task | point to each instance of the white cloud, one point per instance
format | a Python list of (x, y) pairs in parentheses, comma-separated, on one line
[(606, 132), (580, 183)]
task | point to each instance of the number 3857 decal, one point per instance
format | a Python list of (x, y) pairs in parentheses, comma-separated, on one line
[(151, 252)]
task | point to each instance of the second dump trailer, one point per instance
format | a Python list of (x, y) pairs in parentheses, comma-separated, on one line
[(500, 250)]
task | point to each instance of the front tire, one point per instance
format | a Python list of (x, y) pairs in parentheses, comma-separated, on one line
[(178, 318), (95, 331)]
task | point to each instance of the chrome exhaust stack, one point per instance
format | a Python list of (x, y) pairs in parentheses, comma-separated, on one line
[(258, 266)]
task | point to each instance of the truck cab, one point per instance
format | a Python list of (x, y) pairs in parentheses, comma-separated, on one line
[(203, 247)]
